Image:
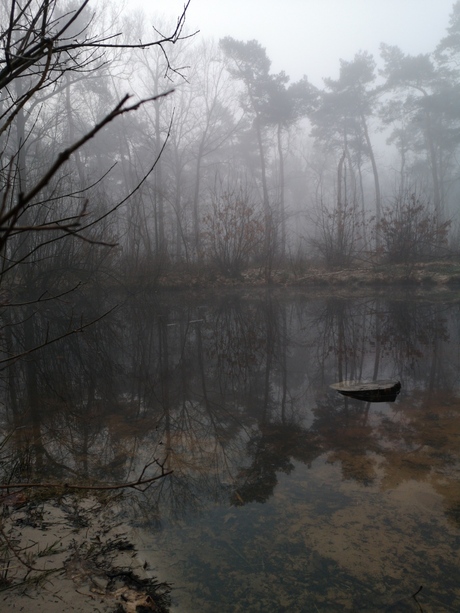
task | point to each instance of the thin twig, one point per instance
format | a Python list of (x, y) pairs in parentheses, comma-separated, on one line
[(69, 486), (118, 110), (54, 340)]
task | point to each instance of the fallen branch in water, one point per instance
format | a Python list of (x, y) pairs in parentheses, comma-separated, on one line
[(118, 486)]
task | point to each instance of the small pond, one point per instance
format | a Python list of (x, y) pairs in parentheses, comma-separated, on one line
[(284, 495)]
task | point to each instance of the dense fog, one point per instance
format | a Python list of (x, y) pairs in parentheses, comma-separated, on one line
[(230, 166)]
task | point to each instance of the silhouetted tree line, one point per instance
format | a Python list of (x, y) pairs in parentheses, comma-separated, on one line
[(261, 171)]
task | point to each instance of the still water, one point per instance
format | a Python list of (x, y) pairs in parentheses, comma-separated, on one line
[(284, 495)]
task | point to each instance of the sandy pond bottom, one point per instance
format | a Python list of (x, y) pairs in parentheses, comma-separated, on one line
[(70, 555), (320, 544)]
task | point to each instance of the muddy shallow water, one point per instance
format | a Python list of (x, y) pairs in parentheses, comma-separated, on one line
[(299, 498), (285, 495), (350, 531)]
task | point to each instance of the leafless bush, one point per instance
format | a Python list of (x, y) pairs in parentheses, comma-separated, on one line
[(410, 231), (337, 234), (233, 231)]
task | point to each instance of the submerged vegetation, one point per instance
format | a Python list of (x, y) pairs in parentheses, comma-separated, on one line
[(74, 546)]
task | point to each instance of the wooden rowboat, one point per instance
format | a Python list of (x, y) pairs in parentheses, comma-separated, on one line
[(373, 391)]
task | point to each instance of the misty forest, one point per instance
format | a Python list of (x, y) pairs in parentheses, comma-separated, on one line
[(180, 231), (227, 166), (214, 162)]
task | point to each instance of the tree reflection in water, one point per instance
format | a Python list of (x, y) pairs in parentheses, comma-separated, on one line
[(231, 392)]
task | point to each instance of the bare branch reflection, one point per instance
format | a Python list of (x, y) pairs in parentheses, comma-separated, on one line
[(229, 393)]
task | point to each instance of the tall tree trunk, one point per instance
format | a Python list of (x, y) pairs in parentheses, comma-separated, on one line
[(378, 197), (265, 198), (434, 169), (196, 196), (269, 229), (282, 192), (338, 255), (159, 196), (71, 132)]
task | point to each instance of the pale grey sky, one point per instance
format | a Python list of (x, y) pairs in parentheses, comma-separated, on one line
[(310, 36)]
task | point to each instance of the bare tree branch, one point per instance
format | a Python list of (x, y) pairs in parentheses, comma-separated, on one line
[(48, 341), (25, 199), (137, 484)]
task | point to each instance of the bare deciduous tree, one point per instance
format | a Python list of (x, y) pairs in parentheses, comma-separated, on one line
[(46, 48)]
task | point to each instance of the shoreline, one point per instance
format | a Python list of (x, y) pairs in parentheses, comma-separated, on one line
[(427, 276)]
